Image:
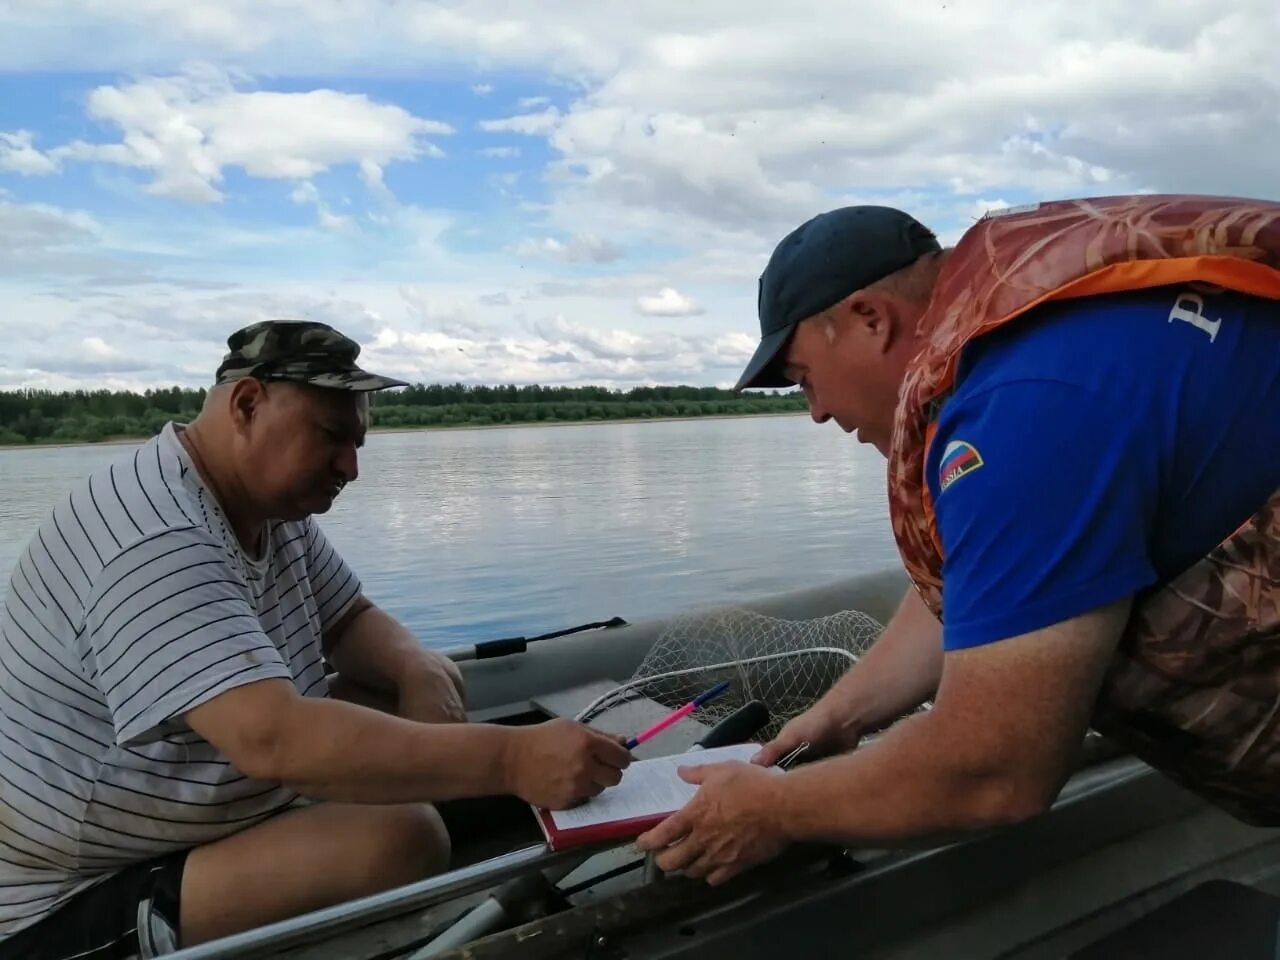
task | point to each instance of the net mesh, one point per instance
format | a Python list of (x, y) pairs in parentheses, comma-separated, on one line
[(787, 664)]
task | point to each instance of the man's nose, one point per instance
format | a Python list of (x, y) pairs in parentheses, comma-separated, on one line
[(347, 464)]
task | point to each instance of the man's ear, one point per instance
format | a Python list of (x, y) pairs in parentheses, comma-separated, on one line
[(876, 316), (247, 396)]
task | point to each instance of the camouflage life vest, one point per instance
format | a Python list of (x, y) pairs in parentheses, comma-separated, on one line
[(1194, 688)]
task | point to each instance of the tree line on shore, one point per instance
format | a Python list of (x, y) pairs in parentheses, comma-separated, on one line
[(44, 416)]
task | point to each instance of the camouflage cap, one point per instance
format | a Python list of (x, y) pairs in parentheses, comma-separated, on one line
[(304, 351)]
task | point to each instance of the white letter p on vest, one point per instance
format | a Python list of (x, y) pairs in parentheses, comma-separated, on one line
[(1189, 308)]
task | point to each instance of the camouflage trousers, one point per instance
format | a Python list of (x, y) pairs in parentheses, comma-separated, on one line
[(1195, 686)]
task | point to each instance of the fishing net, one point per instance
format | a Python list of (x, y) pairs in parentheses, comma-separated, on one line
[(787, 664)]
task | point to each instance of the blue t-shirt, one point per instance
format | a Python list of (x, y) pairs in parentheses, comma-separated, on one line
[(1097, 447)]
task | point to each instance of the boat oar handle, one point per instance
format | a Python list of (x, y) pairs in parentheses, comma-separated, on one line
[(488, 649)]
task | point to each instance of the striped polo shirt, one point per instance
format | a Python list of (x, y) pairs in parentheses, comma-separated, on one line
[(133, 603)]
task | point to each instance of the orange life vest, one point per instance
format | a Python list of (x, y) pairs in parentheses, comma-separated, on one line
[(1195, 685)]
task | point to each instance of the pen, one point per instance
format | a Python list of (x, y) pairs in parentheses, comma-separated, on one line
[(677, 715)]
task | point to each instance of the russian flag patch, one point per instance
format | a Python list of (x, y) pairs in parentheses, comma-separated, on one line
[(959, 457)]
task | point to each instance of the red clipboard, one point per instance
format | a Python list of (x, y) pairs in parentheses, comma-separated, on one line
[(614, 831), (668, 797)]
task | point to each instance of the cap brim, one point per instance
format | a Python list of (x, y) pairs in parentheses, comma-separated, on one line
[(355, 380), (765, 368)]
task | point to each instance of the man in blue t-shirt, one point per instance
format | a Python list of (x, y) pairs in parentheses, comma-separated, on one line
[(1086, 454), (1095, 449)]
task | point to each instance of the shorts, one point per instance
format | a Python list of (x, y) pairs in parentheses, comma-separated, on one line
[(132, 915)]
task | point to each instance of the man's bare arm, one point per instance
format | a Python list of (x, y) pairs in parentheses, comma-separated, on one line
[(332, 750), (999, 743), (898, 673), (369, 647)]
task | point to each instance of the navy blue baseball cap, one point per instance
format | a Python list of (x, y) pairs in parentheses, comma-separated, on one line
[(820, 263)]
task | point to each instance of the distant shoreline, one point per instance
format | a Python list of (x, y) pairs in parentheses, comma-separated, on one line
[(121, 441)]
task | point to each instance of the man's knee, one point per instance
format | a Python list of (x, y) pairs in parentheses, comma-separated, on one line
[(306, 859), (407, 842)]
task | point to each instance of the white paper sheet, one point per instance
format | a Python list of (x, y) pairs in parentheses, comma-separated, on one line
[(648, 787)]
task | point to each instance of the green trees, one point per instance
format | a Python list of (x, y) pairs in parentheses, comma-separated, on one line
[(42, 416), (33, 416)]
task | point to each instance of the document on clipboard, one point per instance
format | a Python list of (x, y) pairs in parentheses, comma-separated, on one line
[(650, 791)]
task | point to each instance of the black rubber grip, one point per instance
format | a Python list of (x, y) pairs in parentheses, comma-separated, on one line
[(500, 648), (738, 727)]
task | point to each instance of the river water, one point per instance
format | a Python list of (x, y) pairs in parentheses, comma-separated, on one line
[(477, 534)]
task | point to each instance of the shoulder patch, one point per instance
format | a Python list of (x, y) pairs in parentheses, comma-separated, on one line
[(959, 457)]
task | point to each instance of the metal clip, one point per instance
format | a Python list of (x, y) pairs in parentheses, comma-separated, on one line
[(791, 757)]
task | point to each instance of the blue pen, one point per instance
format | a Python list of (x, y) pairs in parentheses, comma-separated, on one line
[(677, 715)]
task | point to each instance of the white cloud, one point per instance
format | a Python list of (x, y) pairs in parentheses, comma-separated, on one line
[(489, 34), (426, 332), (38, 240), (205, 321), (714, 121), (97, 347), (85, 363), (582, 248), (371, 176), (482, 89), (619, 345), (19, 155), (505, 182), (38, 227), (306, 194), (330, 220), (185, 130), (530, 124), (705, 110), (695, 134), (63, 363), (669, 302), (735, 348), (446, 313)]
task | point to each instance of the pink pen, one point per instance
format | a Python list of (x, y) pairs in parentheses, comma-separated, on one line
[(677, 715)]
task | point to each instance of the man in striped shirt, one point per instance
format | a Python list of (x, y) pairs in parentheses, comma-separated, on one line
[(167, 724)]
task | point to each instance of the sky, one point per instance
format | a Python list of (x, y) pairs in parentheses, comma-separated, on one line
[(559, 192)]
